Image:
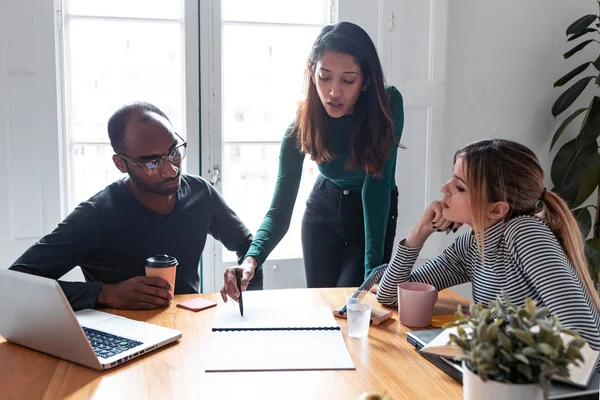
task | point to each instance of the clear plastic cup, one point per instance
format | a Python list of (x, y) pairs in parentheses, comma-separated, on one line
[(358, 309)]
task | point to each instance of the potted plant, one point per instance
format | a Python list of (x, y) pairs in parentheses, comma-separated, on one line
[(509, 352), (575, 169)]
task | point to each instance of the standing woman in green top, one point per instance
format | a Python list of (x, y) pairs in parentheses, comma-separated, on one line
[(350, 124)]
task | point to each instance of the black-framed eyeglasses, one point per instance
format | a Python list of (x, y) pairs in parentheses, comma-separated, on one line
[(155, 165)]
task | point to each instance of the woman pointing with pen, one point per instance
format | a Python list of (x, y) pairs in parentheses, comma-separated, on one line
[(350, 124)]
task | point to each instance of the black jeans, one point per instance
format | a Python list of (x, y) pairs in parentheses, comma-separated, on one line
[(333, 235)]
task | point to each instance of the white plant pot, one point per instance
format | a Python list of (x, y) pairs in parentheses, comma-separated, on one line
[(476, 389)]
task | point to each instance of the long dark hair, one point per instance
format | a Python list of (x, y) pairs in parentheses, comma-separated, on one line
[(371, 134)]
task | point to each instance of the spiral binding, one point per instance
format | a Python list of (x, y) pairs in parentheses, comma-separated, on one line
[(319, 328)]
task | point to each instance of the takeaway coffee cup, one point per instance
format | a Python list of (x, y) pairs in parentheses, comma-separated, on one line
[(163, 266)]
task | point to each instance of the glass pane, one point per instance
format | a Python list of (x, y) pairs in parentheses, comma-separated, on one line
[(164, 9), (263, 69), (115, 62), (92, 170), (248, 184), (281, 11)]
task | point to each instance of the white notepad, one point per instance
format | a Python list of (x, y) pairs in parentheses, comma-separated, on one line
[(277, 339)]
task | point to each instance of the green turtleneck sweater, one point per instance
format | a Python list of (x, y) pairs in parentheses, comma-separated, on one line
[(375, 190)]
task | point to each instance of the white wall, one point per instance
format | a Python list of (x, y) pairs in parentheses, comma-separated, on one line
[(30, 177), (503, 58)]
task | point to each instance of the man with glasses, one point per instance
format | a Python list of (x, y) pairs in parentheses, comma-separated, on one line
[(155, 210)]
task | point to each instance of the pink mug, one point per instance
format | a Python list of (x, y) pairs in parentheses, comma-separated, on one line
[(415, 303)]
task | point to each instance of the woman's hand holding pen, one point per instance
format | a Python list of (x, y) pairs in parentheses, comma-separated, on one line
[(230, 289), (431, 221)]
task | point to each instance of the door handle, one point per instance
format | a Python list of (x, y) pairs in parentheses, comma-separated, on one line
[(215, 176)]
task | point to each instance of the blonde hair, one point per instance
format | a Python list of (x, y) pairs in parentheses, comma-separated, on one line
[(502, 170)]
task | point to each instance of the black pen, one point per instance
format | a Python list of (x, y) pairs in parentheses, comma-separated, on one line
[(238, 279)]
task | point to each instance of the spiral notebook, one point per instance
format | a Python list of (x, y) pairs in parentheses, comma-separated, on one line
[(276, 339)]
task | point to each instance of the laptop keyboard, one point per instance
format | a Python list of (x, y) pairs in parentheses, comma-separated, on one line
[(106, 345)]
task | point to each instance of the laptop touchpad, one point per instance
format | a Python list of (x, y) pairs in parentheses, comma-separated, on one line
[(91, 317)]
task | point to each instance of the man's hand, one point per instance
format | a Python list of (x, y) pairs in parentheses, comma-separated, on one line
[(139, 293), (229, 283)]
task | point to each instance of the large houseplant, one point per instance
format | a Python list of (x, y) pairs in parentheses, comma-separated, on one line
[(510, 351), (575, 169)]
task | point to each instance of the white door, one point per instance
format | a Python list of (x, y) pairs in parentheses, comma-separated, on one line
[(413, 54), (30, 179), (253, 54)]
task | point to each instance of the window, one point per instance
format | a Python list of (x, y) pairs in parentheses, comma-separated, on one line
[(115, 52), (265, 45)]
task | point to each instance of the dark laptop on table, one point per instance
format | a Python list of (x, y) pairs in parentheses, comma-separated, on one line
[(557, 391), (34, 313)]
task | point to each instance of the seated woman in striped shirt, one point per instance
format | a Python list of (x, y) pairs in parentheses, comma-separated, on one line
[(523, 240)]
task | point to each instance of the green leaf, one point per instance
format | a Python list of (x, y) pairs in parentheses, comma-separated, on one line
[(590, 129), (524, 337), (505, 298), (530, 351), (505, 369), (563, 371), (482, 331), (570, 95), (485, 315), (577, 48), (581, 24), (571, 163), (545, 349), (584, 220), (581, 33), (523, 316), (572, 74), (504, 341), (568, 195), (577, 342), (589, 182), (526, 371), (530, 307), (564, 125), (592, 253), (492, 330), (459, 314), (556, 341), (570, 332), (462, 344), (574, 353), (542, 312), (521, 358)]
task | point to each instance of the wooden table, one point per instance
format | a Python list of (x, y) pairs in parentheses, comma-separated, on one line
[(385, 362)]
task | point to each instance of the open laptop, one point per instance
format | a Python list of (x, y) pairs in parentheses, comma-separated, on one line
[(35, 313), (557, 390)]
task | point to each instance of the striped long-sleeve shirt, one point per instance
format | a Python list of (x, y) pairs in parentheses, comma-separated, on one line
[(521, 256)]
